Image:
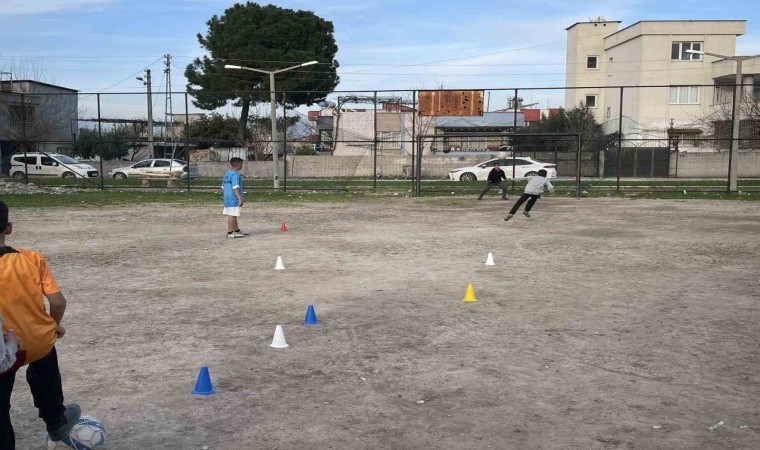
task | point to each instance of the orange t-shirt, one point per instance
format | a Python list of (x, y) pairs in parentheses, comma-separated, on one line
[(24, 278)]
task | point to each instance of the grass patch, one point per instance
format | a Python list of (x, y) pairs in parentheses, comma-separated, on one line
[(126, 198)]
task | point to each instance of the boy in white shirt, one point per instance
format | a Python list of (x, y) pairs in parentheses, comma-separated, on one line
[(533, 192)]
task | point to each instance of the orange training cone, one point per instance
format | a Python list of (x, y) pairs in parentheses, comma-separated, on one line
[(469, 295), (283, 227)]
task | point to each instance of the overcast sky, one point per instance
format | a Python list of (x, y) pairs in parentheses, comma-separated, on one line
[(100, 45)]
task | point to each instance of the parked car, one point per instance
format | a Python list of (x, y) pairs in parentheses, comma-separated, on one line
[(157, 168), (524, 167), (49, 165)]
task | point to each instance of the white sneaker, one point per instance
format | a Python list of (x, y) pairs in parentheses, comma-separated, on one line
[(244, 233), (235, 235)]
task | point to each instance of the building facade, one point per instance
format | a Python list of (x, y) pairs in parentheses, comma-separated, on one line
[(601, 57), (36, 116)]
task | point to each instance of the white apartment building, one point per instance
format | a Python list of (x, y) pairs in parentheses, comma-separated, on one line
[(601, 57)]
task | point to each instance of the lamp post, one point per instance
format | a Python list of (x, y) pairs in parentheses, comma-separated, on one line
[(146, 81), (273, 109), (733, 155)]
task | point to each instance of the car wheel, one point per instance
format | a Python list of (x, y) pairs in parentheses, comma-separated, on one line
[(119, 176), (69, 175), (468, 177), (18, 175), (531, 174)]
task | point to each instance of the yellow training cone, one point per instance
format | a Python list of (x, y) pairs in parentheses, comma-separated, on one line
[(469, 295)]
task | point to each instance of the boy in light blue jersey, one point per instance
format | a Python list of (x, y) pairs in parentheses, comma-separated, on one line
[(232, 187)]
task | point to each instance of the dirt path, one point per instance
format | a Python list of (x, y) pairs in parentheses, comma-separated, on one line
[(602, 320)]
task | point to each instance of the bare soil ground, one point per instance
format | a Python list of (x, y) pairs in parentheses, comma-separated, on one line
[(605, 324)]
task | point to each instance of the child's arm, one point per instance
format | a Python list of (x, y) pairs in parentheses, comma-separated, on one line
[(550, 186), (57, 308), (236, 190)]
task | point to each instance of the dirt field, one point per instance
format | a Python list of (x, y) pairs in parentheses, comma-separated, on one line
[(604, 324)]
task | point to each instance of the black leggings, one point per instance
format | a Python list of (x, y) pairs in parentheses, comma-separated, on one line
[(45, 383), (533, 199)]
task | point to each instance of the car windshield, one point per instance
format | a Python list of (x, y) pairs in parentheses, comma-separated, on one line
[(66, 160)]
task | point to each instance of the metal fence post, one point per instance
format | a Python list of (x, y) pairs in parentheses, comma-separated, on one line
[(100, 144), (414, 132), (374, 126), (284, 144), (579, 146), (187, 141), (23, 138), (620, 140), (514, 149), (735, 115)]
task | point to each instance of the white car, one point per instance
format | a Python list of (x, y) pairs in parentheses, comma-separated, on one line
[(156, 168), (524, 167), (49, 165)]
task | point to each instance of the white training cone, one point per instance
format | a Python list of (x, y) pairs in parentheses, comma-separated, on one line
[(489, 260), (279, 338), (279, 265)]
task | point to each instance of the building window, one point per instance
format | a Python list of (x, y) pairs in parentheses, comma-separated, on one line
[(388, 140), (686, 138), (591, 101), (592, 62), (684, 95), (723, 94), (678, 51)]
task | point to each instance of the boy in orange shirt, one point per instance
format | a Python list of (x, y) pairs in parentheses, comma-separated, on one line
[(25, 278)]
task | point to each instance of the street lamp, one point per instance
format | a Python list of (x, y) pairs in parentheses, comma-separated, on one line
[(273, 111), (733, 155)]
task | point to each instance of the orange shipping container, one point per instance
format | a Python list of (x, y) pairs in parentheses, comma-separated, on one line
[(451, 103)]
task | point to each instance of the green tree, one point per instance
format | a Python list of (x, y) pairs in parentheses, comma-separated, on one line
[(580, 119), (269, 38), (216, 130), (113, 144)]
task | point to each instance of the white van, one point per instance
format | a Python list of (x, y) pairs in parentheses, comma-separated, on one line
[(50, 165)]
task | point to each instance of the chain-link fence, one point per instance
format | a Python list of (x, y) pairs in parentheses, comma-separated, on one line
[(628, 138)]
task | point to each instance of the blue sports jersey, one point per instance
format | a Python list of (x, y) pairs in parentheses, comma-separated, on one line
[(231, 180)]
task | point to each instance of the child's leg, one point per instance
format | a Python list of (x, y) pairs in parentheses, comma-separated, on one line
[(44, 380), (519, 203), (485, 190), (7, 438), (531, 202), (235, 225), (231, 223)]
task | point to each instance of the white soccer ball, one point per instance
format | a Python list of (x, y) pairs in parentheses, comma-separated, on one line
[(88, 434)]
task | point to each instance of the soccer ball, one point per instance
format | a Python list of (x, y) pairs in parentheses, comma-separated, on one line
[(88, 434)]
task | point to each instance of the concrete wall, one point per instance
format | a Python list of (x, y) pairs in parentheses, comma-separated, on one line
[(346, 166), (690, 165), (713, 165)]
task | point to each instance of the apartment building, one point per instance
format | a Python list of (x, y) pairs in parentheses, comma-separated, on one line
[(601, 57)]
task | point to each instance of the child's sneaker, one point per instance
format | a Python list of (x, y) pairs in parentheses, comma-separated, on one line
[(526, 214), (509, 216), (71, 413), (244, 233), (235, 234)]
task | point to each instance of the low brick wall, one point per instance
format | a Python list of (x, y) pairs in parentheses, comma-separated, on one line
[(713, 165), (689, 165)]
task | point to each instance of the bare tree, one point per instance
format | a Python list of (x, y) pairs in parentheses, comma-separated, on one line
[(716, 119)]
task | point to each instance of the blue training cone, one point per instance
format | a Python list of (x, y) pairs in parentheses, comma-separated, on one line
[(203, 384), (311, 316)]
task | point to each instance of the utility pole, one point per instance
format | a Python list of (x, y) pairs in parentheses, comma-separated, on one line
[(146, 82), (168, 111)]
